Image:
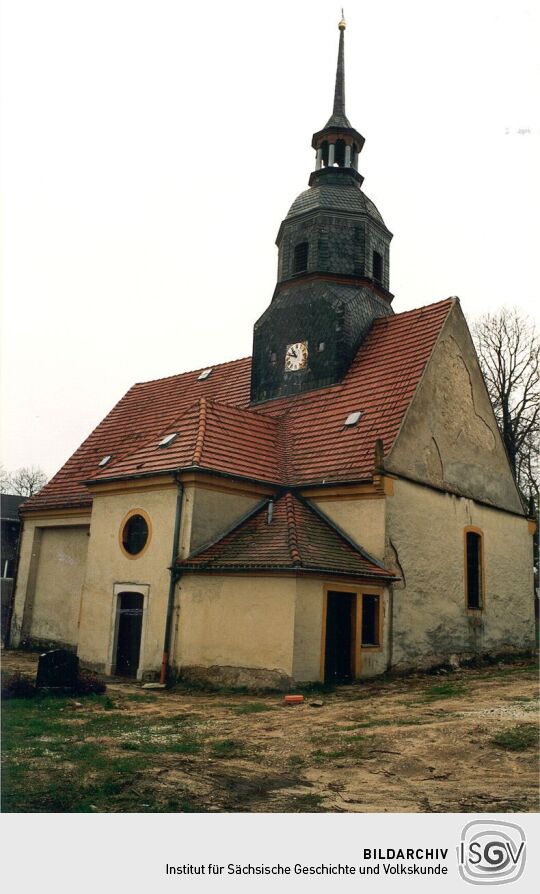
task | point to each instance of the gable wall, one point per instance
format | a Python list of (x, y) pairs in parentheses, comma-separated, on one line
[(450, 436), (362, 518), (425, 543), (213, 512)]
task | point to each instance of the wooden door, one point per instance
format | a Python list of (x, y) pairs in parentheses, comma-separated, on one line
[(339, 665), (130, 616)]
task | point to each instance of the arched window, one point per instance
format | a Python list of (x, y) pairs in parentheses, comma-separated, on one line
[(474, 570), (300, 257)]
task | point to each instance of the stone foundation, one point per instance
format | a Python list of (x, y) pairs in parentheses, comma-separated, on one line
[(32, 644), (253, 678), (426, 663)]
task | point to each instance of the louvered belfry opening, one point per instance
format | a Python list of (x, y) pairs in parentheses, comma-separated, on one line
[(301, 252), (377, 267)]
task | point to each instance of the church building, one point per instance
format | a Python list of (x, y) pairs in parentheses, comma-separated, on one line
[(335, 506)]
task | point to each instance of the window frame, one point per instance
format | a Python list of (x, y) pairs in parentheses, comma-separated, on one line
[(380, 258), (378, 617), (474, 609), (304, 243), (123, 524)]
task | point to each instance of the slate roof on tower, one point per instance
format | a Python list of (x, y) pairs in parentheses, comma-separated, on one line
[(288, 441)]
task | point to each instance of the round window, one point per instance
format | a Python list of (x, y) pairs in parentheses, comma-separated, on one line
[(135, 534)]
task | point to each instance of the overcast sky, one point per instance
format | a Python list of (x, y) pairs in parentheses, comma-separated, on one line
[(151, 149)]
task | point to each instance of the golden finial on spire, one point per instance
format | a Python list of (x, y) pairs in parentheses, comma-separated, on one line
[(343, 24)]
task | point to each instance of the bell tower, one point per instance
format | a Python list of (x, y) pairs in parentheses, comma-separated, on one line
[(333, 268)]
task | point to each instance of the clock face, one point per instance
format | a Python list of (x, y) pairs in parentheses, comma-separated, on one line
[(296, 356)]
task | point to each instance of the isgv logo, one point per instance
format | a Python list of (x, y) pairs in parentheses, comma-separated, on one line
[(491, 852)]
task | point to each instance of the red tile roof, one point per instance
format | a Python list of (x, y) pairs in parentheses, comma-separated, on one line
[(210, 435), (298, 538), (295, 440)]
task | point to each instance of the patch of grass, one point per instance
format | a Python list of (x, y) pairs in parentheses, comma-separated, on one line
[(517, 738), (327, 755), (17, 685), (181, 718), (227, 748), (315, 688), (66, 792), (139, 697), (103, 701), (253, 708), (309, 803), (522, 698), (510, 671), (175, 805), (296, 760), (444, 690), (368, 724), (187, 747)]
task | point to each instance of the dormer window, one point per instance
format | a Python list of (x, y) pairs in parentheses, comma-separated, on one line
[(300, 257), (377, 267)]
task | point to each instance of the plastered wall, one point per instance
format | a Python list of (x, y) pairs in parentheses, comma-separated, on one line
[(212, 512), (425, 538), (272, 624), (235, 621), (308, 664), (309, 630), (363, 519), (49, 580), (109, 569), (450, 436)]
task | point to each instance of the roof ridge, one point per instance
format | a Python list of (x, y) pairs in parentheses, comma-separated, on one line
[(415, 310), (292, 533), (199, 443)]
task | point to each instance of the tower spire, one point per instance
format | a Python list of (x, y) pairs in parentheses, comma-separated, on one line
[(338, 143), (338, 117)]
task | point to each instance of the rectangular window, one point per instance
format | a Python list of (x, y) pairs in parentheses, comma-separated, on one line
[(370, 620), (473, 570), (301, 252), (377, 267)]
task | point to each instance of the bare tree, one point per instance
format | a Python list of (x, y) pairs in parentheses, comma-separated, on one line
[(509, 353), (5, 481), (25, 481)]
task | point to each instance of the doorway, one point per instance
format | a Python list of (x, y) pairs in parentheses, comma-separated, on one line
[(128, 647), (340, 643)]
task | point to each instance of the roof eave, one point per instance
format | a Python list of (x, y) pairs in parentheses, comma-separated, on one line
[(292, 569)]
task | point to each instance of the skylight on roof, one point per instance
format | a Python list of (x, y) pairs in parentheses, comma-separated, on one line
[(105, 460), (353, 418), (168, 439), (205, 373)]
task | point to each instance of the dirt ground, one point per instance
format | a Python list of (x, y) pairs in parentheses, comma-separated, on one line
[(442, 743)]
